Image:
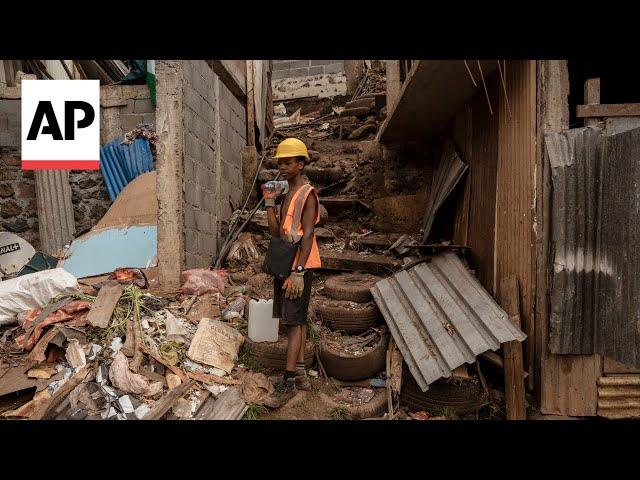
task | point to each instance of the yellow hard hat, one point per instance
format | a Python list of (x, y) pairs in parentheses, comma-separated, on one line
[(291, 147)]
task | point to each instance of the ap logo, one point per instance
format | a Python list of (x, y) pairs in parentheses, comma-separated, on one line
[(60, 124)]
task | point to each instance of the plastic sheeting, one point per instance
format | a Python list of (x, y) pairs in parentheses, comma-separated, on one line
[(33, 291), (121, 163)]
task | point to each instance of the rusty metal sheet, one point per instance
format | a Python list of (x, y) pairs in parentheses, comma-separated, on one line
[(441, 317), (619, 396), (595, 304)]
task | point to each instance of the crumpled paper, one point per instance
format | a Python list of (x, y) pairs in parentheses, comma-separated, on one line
[(256, 388), (124, 379)]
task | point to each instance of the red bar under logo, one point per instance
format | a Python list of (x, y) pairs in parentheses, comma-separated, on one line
[(60, 164)]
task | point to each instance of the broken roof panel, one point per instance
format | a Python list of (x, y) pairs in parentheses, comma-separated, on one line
[(441, 317)]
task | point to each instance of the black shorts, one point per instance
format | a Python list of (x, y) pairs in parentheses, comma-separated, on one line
[(292, 312)]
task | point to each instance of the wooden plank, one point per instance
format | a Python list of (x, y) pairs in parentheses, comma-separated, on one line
[(60, 395), (163, 405), (251, 108), (513, 369), (106, 301), (349, 260), (228, 406), (608, 110), (591, 97), (515, 191), (612, 366)]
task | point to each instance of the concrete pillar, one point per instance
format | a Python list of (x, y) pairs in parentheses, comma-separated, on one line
[(56, 223), (170, 128), (393, 82), (354, 69)]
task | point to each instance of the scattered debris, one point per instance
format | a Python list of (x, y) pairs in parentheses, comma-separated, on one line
[(124, 379), (215, 344), (75, 354)]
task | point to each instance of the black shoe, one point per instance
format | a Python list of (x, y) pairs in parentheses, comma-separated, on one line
[(284, 391)]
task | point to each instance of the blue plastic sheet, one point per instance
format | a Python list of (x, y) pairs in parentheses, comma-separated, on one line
[(121, 163)]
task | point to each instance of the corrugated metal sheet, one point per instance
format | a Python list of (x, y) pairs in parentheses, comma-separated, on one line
[(619, 396), (595, 297), (441, 317), (574, 169), (515, 190), (56, 223), (121, 163)]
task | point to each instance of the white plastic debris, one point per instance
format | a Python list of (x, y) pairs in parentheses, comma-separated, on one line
[(34, 290), (110, 391), (101, 373), (217, 372), (216, 389), (176, 330), (75, 354), (125, 404), (141, 411), (313, 373), (109, 413), (94, 350), (116, 345), (121, 416), (144, 323)]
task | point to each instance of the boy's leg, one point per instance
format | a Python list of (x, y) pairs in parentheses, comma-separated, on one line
[(293, 346), (302, 382)]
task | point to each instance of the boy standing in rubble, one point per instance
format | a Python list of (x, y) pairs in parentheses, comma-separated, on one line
[(294, 221)]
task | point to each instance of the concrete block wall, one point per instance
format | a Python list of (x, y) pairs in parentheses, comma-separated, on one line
[(10, 123), (305, 68), (233, 137), (199, 163)]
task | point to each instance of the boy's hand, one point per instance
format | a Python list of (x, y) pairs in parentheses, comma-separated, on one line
[(270, 197), (294, 285)]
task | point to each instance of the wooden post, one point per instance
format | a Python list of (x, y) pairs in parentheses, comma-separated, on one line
[(513, 369), (591, 97), (251, 112)]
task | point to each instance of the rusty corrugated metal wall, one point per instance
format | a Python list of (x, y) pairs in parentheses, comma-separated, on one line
[(515, 189), (619, 396), (55, 210), (595, 307)]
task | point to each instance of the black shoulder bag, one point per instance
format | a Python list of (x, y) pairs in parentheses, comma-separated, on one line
[(281, 254)]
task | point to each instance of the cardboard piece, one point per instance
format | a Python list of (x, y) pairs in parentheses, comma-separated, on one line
[(216, 344)]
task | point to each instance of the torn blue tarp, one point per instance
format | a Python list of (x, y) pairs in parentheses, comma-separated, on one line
[(121, 163), (103, 251)]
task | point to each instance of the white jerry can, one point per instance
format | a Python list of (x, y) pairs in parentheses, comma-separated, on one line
[(262, 326)]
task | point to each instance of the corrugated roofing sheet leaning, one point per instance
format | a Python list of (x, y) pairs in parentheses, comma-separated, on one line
[(441, 317), (121, 163)]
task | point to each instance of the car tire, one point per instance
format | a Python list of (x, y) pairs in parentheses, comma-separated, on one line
[(459, 397), (339, 315), (343, 366), (273, 355), (376, 407), (354, 287)]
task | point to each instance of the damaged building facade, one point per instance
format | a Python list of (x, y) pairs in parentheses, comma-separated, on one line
[(531, 134), (208, 115)]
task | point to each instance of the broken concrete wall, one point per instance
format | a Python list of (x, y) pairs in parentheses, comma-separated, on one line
[(308, 78), (214, 136)]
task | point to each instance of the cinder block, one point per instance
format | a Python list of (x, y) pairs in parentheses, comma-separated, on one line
[(4, 124), (129, 107), (203, 221), (322, 62), (300, 63), (10, 107), (281, 65), (280, 74), (9, 139), (189, 216), (130, 121), (190, 240), (334, 68), (319, 70)]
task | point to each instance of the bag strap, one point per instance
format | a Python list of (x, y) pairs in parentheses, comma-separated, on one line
[(302, 194)]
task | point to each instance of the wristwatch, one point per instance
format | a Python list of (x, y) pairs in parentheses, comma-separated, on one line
[(299, 269)]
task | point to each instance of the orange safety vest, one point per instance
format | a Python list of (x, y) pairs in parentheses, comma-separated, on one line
[(292, 225)]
